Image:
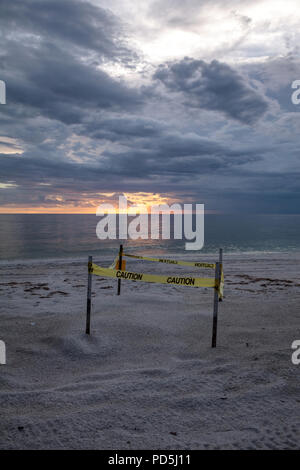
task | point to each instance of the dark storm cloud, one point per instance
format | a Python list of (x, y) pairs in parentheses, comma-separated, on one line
[(72, 22), (121, 128), (49, 58), (58, 85), (257, 191), (170, 156), (214, 86), (277, 75)]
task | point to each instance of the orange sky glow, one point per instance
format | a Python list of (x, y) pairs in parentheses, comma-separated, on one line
[(89, 206)]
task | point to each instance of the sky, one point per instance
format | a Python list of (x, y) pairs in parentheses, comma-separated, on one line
[(163, 101)]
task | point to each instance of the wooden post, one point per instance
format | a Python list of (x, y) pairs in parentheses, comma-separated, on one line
[(216, 304), (221, 266), (120, 267), (89, 297)]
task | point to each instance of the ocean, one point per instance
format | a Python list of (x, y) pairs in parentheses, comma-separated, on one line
[(46, 236)]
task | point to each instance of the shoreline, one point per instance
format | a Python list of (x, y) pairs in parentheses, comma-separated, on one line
[(188, 255)]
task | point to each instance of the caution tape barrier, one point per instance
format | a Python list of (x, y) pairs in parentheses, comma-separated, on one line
[(170, 261), (113, 272), (177, 280)]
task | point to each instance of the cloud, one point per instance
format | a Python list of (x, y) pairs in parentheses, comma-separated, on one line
[(120, 128), (214, 86), (187, 13), (53, 63), (276, 76), (171, 158), (59, 85), (71, 22), (74, 127)]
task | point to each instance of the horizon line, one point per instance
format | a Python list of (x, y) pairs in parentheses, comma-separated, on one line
[(144, 213)]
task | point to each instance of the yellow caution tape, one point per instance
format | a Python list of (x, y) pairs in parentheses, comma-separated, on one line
[(171, 279), (170, 261)]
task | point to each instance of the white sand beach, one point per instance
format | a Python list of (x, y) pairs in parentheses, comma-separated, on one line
[(147, 377)]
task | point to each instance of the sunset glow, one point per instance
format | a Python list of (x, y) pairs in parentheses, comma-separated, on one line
[(90, 205)]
